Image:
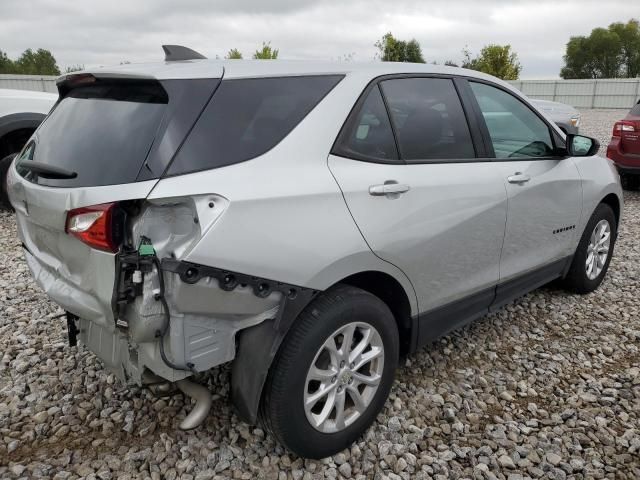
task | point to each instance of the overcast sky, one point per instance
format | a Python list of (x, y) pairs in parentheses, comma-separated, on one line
[(109, 32)]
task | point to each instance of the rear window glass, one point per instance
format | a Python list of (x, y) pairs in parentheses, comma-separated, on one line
[(636, 109), (102, 132), (247, 117)]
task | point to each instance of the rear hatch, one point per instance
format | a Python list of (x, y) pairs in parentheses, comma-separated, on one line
[(630, 132), (108, 139)]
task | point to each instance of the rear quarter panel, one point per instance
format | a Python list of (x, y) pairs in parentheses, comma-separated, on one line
[(286, 219)]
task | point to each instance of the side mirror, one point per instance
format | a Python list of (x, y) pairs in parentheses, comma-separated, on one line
[(579, 146)]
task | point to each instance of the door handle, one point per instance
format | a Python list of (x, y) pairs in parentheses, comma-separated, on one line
[(388, 189), (518, 178)]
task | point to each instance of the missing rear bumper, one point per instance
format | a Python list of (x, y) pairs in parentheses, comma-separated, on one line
[(293, 298)]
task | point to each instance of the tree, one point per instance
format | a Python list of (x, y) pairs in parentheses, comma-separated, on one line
[(578, 60), (234, 54), (40, 62), (6, 64), (266, 53), (606, 53), (497, 60), (347, 57), (394, 50), (629, 35), (450, 63), (74, 68)]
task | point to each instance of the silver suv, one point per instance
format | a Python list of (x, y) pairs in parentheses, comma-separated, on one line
[(311, 223)]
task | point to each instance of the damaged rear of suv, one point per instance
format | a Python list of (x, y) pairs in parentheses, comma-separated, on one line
[(308, 222), (161, 257)]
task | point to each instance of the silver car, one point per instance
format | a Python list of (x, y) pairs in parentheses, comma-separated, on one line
[(563, 115), (311, 223)]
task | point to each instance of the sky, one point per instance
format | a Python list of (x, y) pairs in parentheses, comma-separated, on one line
[(110, 32)]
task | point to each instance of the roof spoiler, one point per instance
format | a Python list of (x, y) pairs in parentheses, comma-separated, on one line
[(176, 53)]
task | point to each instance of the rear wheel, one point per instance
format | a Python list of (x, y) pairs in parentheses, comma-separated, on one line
[(332, 374), (4, 169), (592, 258)]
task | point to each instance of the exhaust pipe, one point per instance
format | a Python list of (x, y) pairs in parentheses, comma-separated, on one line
[(202, 396)]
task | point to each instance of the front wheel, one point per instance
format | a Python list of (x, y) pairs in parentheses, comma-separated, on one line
[(594, 252), (332, 374), (4, 169)]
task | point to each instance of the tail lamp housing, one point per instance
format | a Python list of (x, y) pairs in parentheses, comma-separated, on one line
[(622, 126), (99, 226)]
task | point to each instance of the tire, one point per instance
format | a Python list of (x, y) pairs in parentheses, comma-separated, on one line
[(283, 411), (4, 168), (578, 279), (630, 182)]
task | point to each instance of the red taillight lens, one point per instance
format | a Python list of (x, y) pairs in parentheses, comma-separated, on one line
[(96, 226), (623, 126)]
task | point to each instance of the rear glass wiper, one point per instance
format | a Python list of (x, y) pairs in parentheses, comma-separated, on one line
[(46, 171)]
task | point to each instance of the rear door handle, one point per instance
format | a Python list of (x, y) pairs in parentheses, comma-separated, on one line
[(518, 178), (388, 189)]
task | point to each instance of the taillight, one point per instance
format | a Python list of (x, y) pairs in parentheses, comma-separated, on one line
[(99, 226), (622, 126)]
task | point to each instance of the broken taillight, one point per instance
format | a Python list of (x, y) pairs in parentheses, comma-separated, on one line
[(98, 226)]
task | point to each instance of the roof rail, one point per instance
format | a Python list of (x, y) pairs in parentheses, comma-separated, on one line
[(176, 53)]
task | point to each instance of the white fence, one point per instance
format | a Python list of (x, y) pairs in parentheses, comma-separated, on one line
[(39, 83), (601, 93)]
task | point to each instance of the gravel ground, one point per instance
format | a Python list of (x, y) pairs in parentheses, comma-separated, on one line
[(549, 387)]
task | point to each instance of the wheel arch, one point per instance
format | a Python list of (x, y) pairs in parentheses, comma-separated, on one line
[(391, 292), (15, 128), (614, 202), (257, 346)]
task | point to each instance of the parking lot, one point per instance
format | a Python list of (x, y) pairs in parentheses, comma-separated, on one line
[(548, 387)]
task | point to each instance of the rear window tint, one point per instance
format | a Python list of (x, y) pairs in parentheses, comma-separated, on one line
[(368, 136), (636, 109), (247, 117), (428, 119), (102, 132)]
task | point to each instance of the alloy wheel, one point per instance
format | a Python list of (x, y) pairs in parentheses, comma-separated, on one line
[(598, 249), (343, 377)]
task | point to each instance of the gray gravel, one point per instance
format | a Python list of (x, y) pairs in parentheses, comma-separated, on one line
[(549, 387), (599, 124)]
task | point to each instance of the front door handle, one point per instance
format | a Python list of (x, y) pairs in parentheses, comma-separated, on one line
[(390, 188), (518, 178)]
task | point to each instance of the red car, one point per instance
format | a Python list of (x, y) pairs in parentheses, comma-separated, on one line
[(624, 148)]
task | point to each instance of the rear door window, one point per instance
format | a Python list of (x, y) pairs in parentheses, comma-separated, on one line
[(369, 135), (101, 131), (428, 118), (515, 130), (247, 117)]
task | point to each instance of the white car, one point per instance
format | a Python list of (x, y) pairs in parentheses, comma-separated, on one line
[(309, 222), (21, 111), (563, 115)]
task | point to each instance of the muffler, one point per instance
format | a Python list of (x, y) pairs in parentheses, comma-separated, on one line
[(203, 399)]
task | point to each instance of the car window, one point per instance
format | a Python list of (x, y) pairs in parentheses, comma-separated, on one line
[(428, 119), (515, 130), (247, 117), (108, 128), (635, 110), (369, 136)]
